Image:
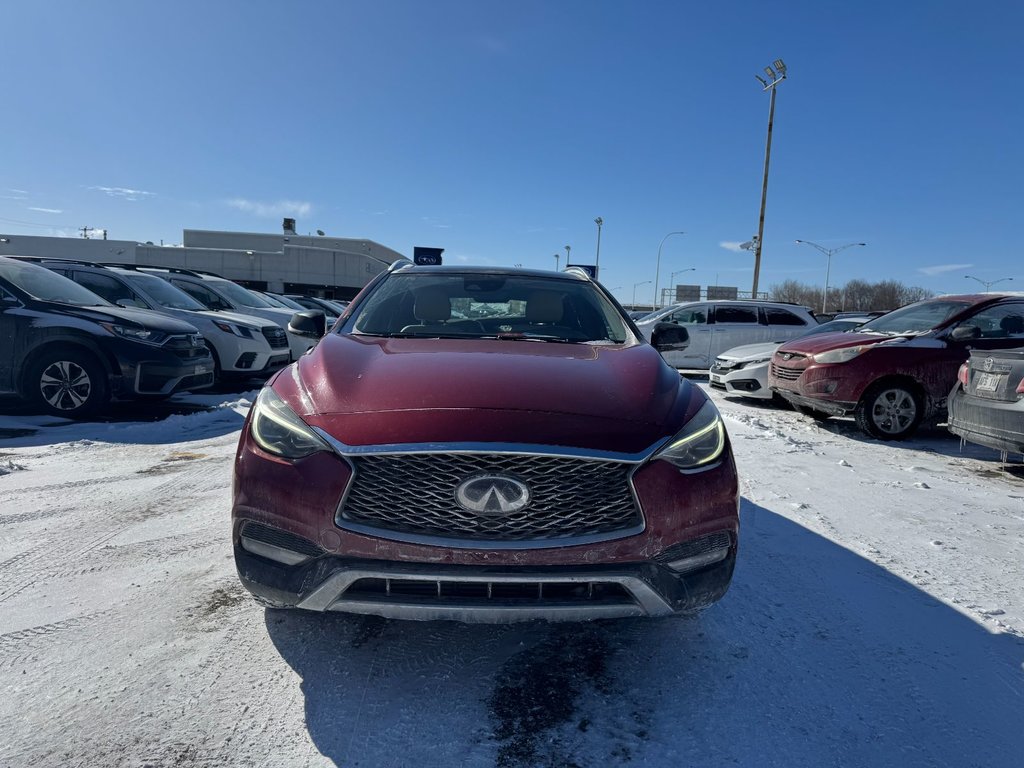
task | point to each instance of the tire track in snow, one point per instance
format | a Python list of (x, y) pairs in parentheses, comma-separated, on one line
[(105, 523)]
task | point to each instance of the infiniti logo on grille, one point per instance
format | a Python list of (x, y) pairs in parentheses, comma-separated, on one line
[(492, 494)]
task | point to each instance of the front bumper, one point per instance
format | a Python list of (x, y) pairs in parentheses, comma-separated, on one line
[(147, 370), (992, 423), (428, 591), (748, 381)]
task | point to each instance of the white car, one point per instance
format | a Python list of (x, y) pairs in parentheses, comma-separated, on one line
[(218, 293), (242, 346), (744, 370), (715, 326)]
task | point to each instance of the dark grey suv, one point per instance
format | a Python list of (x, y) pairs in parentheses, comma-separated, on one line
[(69, 351)]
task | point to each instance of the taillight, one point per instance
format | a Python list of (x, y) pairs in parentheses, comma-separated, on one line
[(962, 374), (1020, 387)]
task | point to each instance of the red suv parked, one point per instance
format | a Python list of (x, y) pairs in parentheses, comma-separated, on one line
[(898, 369), (484, 445)]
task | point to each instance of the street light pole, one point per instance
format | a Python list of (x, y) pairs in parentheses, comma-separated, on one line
[(828, 267), (557, 257), (567, 255), (777, 76), (657, 268), (597, 259), (987, 283), (635, 286), (672, 277)]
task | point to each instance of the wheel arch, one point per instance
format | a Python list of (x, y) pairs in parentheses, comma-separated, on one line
[(55, 344)]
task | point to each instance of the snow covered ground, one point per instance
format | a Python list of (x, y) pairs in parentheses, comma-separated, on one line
[(876, 619)]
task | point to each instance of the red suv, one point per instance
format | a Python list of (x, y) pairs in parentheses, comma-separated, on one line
[(484, 445), (898, 369)]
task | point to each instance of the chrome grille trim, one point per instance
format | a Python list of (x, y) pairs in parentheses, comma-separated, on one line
[(411, 497), (786, 374)]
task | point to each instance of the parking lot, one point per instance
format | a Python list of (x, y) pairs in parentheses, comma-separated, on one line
[(876, 617)]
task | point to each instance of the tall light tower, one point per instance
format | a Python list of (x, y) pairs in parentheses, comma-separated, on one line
[(567, 249), (776, 76), (597, 259), (828, 267), (557, 257), (987, 283), (657, 267)]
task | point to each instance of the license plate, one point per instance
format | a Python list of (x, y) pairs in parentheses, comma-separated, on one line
[(715, 378), (988, 382)]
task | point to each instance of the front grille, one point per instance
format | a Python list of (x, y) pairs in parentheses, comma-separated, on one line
[(278, 538), (276, 337), (786, 374), (415, 494), (190, 347), (504, 592)]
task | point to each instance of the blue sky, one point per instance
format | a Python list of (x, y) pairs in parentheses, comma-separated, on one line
[(499, 131)]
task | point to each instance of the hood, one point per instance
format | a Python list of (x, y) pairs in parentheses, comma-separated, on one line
[(238, 318), (751, 351), (144, 318), (371, 390), (812, 345)]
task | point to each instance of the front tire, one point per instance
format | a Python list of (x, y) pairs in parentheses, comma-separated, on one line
[(69, 383), (889, 411)]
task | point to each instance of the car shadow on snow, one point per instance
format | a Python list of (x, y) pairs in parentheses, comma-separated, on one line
[(150, 422), (817, 656)]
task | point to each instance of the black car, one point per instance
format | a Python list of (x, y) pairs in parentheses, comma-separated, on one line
[(69, 351)]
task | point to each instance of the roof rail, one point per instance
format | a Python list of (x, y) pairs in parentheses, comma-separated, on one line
[(578, 271), (399, 264), (81, 262), (173, 270)]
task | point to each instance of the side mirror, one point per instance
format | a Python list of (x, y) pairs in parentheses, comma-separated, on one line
[(965, 333), (669, 337), (309, 324)]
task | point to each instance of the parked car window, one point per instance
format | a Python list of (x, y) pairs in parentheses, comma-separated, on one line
[(689, 315), (110, 289), (1002, 321), (916, 318), (165, 294), (45, 285), (725, 313), (241, 296), (776, 316), (203, 295)]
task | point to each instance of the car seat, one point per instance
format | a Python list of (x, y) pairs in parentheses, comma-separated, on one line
[(1012, 325), (433, 309)]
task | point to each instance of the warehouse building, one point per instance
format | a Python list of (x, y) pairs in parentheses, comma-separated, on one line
[(332, 267)]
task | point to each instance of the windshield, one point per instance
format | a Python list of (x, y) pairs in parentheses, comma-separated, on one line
[(284, 301), (492, 306), (45, 285), (921, 317), (240, 295), (163, 293)]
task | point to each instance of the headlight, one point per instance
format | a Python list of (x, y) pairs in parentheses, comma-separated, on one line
[(843, 355), (237, 330), (145, 335), (699, 443), (277, 430)]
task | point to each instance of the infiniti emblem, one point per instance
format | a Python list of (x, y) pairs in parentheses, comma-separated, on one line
[(492, 494)]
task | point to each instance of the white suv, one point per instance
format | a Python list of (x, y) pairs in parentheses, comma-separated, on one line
[(715, 326), (215, 292)]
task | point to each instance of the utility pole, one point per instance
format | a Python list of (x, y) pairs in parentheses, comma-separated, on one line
[(777, 76)]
